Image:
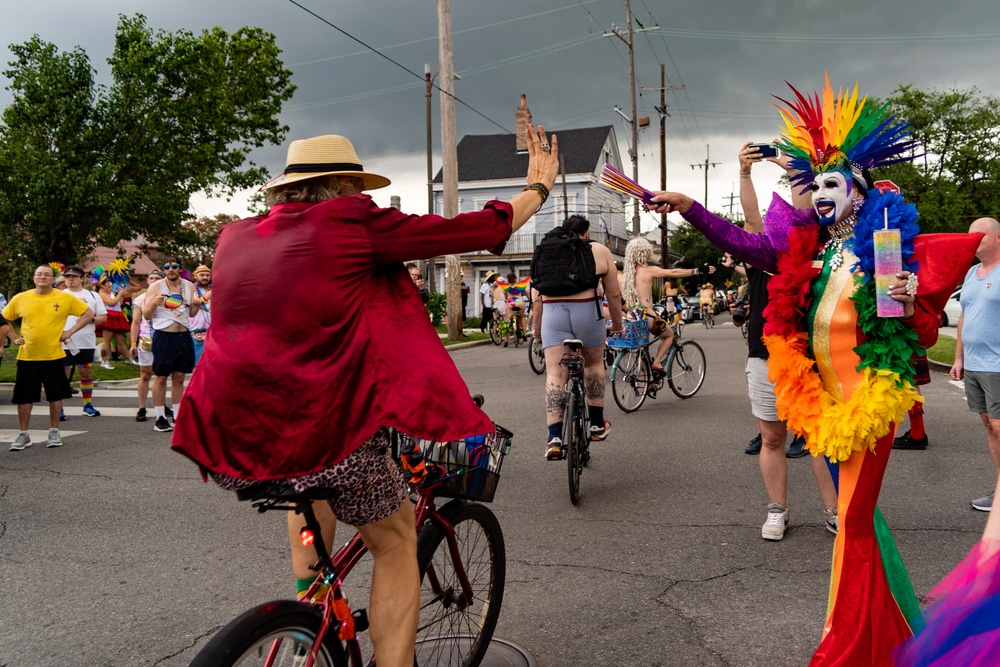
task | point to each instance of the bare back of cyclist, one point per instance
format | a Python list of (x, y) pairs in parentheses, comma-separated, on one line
[(638, 287)]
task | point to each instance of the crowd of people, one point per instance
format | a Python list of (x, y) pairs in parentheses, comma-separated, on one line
[(821, 362), (56, 332)]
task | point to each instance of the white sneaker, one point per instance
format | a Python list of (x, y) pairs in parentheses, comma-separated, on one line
[(23, 440), (832, 521), (777, 521), (106, 365), (54, 440)]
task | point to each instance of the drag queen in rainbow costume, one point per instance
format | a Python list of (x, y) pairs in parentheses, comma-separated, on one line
[(842, 374)]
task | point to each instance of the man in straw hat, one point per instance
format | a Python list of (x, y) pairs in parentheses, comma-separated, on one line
[(486, 299), (203, 318), (346, 373)]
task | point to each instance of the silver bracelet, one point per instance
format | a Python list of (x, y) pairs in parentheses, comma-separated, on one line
[(742, 175)]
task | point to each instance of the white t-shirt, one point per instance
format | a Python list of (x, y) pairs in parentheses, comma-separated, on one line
[(164, 315), (85, 338), (487, 291)]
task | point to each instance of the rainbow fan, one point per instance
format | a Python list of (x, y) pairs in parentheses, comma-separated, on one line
[(612, 179)]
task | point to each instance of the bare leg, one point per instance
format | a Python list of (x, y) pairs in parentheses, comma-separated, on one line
[(593, 375), (661, 350), (555, 384), (142, 389), (159, 390), (992, 438), (24, 415), (394, 601), (106, 345), (176, 390), (55, 409), (824, 481), (773, 465)]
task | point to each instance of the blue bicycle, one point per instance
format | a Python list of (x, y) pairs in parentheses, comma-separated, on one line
[(632, 375)]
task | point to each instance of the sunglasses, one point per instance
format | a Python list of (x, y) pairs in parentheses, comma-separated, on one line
[(166, 267)]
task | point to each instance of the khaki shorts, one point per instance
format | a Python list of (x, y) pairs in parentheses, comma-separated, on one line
[(761, 390)]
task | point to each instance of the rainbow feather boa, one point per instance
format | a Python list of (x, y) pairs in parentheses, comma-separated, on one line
[(835, 428)]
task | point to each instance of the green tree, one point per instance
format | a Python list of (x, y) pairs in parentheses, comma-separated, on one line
[(697, 251), (195, 241), (955, 177), (83, 165)]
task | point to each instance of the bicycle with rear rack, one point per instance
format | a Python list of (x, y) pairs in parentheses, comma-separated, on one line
[(460, 553), (632, 375)]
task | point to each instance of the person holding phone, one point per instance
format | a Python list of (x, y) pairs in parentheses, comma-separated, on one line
[(845, 397)]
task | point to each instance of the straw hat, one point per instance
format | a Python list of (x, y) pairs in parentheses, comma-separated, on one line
[(490, 274), (327, 155)]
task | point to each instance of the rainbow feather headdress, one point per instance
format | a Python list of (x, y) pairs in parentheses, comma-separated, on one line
[(842, 133)]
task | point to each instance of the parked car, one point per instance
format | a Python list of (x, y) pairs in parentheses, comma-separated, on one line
[(952, 310), (693, 307)]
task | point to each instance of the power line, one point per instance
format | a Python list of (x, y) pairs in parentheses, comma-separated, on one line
[(398, 64)]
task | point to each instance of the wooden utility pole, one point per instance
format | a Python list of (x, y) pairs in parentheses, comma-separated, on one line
[(430, 265), (705, 166), (449, 163), (633, 150), (662, 110)]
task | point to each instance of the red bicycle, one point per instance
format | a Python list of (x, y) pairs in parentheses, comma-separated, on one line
[(460, 551)]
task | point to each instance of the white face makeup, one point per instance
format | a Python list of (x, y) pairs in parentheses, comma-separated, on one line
[(831, 197)]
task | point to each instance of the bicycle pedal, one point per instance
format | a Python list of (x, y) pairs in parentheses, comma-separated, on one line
[(360, 620)]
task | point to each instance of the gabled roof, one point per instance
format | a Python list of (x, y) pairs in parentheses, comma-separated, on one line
[(487, 157)]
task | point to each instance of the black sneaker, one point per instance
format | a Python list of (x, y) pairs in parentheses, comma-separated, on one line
[(170, 412), (907, 441), (162, 425), (753, 447), (140, 416), (797, 449)]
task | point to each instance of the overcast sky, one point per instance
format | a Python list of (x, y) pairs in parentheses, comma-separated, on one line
[(731, 56)]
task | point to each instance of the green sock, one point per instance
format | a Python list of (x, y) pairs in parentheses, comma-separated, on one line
[(302, 585)]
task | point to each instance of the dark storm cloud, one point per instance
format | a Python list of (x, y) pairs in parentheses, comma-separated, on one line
[(731, 55)]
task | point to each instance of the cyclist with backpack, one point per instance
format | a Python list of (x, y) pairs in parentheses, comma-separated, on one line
[(567, 270)]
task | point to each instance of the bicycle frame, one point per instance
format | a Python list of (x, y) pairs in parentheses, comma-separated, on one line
[(332, 570)]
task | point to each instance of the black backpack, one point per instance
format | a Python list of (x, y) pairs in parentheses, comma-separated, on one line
[(563, 264)]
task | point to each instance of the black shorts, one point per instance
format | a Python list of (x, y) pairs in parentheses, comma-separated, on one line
[(33, 375), (173, 352), (80, 358)]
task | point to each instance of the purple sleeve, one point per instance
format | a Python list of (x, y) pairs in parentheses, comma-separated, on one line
[(754, 249)]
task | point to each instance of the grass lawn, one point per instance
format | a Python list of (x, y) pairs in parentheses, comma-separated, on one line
[(122, 371), (943, 351), (469, 337)]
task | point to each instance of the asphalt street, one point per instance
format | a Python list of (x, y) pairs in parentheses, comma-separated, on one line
[(114, 553)]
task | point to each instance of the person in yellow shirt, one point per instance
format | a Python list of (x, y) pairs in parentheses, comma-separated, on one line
[(43, 312)]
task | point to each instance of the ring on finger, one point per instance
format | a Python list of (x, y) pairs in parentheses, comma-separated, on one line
[(546, 147), (912, 284)]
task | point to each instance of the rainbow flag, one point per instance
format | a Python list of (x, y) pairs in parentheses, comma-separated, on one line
[(518, 288)]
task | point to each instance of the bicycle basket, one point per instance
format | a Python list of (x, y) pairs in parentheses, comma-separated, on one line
[(468, 468), (635, 335)]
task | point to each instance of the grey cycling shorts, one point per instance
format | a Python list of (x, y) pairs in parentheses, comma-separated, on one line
[(572, 319)]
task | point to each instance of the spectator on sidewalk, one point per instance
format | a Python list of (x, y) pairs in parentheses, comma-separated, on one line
[(85, 339), (486, 300), (170, 303), (142, 347), (418, 281), (977, 346), (43, 312), (201, 320), (773, 431)]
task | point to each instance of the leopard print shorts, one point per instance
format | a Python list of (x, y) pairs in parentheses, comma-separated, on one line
[(368, 485)]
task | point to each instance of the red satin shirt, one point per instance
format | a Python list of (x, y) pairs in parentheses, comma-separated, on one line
[(319, 338)]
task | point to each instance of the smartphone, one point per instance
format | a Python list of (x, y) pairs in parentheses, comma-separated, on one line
[(766, 150)]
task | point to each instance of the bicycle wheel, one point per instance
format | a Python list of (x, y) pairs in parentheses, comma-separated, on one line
[(495, 332), (454, 630), (686, 368), (536, 356), (283, 629), (630, 377), (573, 444)]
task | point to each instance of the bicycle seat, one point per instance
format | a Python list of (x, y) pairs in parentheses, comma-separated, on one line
[(573, 344), (281, 491)]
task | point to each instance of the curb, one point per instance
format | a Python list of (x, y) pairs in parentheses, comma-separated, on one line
[(471, 343)]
